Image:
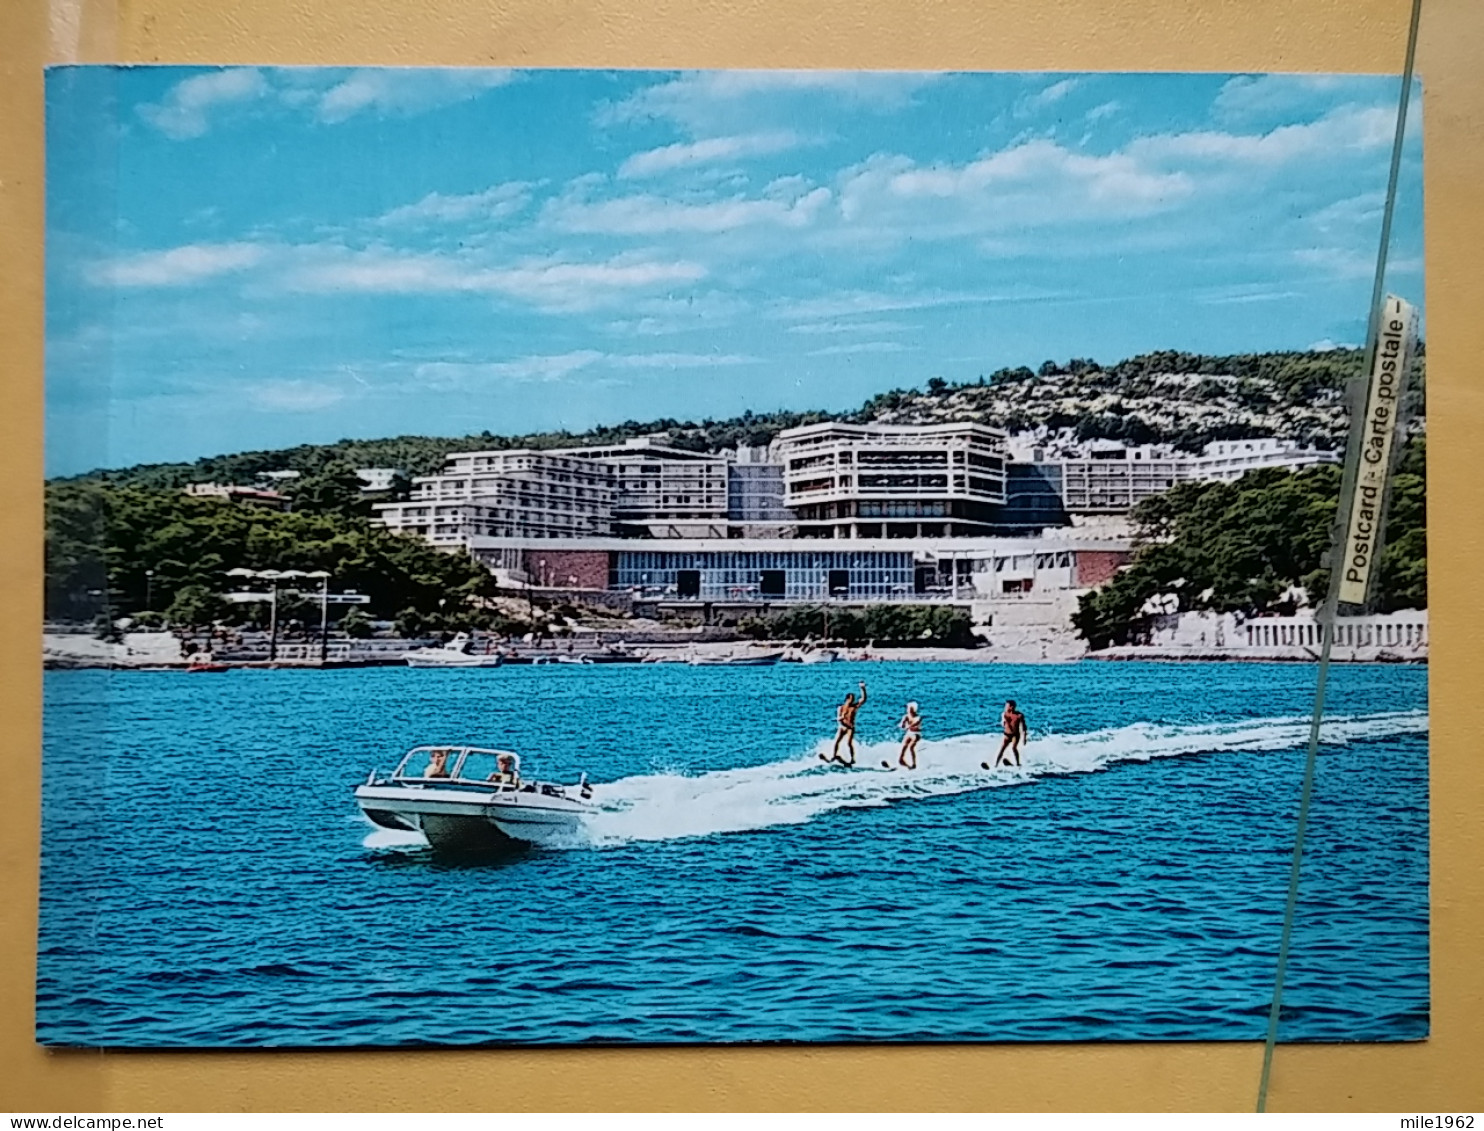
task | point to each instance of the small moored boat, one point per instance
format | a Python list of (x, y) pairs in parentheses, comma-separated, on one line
[(456, 653), (743, 661), (818, 656), (470, 799)]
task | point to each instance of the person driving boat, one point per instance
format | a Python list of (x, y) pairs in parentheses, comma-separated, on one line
[(508, 771)]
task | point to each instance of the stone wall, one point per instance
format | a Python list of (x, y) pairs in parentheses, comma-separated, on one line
[(570, 569), (1094, 567)]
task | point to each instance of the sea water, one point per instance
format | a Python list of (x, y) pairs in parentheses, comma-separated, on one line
[(207, 880)]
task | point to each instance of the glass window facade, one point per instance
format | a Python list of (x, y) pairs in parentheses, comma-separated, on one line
[(739, 575)]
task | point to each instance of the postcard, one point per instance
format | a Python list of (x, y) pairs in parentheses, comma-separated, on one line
[(624, 557)]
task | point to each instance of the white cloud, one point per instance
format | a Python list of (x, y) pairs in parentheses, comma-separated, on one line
[(1048, 96), (688, 310), (1247, 96), (557, 367), (185, 111), (1325, 345), (579, 286), (405, 91), (1337, 262), (858, 347), (551, 284), (647, 214), (1102, 110), (846, 303), (534, 367), (708, 151), (698, 100), (678, 360), (1040, 184), (1034, 183), (494, 203), (1246, 293), (294, 396), (1348, 128), (876, 327), (177, 266), (330, 94)]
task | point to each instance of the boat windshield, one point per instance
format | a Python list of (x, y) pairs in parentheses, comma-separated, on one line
[(464, 764), (489, 766)]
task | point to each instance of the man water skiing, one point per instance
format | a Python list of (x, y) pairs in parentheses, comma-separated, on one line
[(1016, 731), (845, 728)]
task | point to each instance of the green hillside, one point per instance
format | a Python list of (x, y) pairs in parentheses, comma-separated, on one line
[(1180, 398)]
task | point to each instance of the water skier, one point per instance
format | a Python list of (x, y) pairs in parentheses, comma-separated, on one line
[(1012, 721), (911, 724), (845, 728)]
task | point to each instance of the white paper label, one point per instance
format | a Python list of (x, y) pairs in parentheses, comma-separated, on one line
[(1378, 436)]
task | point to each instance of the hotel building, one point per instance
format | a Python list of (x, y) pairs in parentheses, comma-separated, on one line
[(741, 576), (662, 491), (244, 496), (1232, 459), (1112, 478), (894, 481), (506, 494), (755, 492)]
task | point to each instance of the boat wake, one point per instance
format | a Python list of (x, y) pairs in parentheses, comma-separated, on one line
[(671, 806), (668, 806)]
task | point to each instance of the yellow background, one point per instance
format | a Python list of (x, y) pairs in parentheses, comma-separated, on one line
[(1441, 1074)]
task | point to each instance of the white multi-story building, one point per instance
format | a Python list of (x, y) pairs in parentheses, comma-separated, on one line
[(1107, 477), (1232, 459), (520, 493), (877, 480), (1111, 478), (234, 493), (377, 478), (662, 491)]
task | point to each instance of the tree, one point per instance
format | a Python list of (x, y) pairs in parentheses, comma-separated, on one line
[(356, 624), (335, 490), (1240, 547), (102, 538), (104, 628), (194, 606), (410, 624)]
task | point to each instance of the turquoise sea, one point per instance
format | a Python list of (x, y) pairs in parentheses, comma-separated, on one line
[(207, 881)]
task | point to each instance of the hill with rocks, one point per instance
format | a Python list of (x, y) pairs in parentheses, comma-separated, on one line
[(1183, 399)]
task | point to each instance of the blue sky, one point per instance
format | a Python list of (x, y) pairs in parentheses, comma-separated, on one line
[(257, 257)]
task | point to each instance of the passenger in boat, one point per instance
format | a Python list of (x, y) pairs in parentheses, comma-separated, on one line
[(506, 773), (1013, 723), (845, 728), (911, 724), (437, 764)]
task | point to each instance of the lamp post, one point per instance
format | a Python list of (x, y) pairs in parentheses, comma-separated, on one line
[(149, 589), (324, 613), (272, 576)]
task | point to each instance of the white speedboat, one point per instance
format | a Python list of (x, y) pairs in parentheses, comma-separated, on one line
[(455, 654), (469, 799), (819, 656), (767, 659)]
